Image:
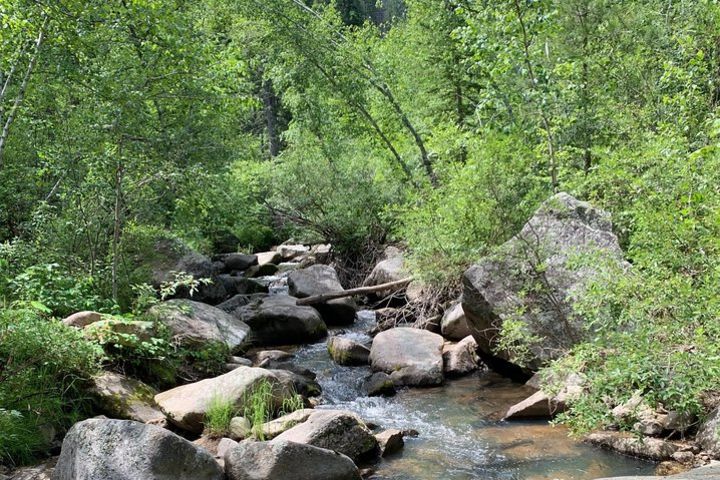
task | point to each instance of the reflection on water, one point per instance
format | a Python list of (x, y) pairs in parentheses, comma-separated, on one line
[(457, 440)]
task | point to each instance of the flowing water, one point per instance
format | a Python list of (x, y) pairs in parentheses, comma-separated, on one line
[(456, 439)]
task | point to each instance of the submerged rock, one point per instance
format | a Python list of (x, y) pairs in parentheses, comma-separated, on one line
[(126, 450), (410, 356), (318, 280), (534, 277), (284, 460)]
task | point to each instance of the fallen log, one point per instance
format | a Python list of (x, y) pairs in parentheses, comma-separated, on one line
[(396, 285)]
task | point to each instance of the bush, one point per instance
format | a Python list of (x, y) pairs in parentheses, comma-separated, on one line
[(218, 415), (44, 369)]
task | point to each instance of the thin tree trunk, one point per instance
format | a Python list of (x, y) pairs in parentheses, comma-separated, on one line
[(271, 112), (23, 88), (117, 220), (391, 286)]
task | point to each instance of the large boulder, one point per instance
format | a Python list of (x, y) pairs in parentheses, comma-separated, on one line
[(186, 406), (545, 405), (454, 324), (283, 460), (317, 280), (126, 450), (390, 269), (344, 351), (278, 320), (535, 277), (336, 430), (409, 355), (194, 324), (233, 262), (125, 398)]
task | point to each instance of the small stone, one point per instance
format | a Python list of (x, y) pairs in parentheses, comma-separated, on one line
[(686, 458), (240, 428), (390, 441), (82, 319), (379, 384)]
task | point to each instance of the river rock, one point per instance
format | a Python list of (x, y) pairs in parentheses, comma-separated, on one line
[(347, 352), (708, 472), (264, 258), (708, 435), (390, 441), (240, 428), (233, 262), (543, 405), (461, 358), (649, 448), (125, 398), (126, 450), (390, 269), (273, 428), (236, 285), (271, 355), (185, 406), (121, 331), (278, 320), (318, 280), (379, 383), (82, 319), (341, 431), (454, 324), (410, 356), (284, 460), (541, 259), (292, 252), (195, 325)]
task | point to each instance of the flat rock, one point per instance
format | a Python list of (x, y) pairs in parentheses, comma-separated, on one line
[(284, 460), (646, 447), (410, 356), (344, 351), (126, 450), (185, 406)]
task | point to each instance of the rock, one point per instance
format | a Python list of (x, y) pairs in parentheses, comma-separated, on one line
[(679, 422), (236, 261), (347, 352), (390, 441), (185, 406), (390, 269), (243, 362), (42, 471), (195, 325), (235, 285), (386, 319), (322, 253), (266, 270), (224, 446), (275, 427), (291, 252), (410, 356), (120, 331), (649, 448), (454, 324), (686, 458), (82, 319), (541, 259), (240, 428), (304, 385), (125, 398), (278, 320), (287, 267), (283, 460), (543, 405), (708, 435), (415, 292), (461, 358), (645, 419), (379, 383), (340, 431), (265, 258), (127, 450), (709, 472), (271, 355), (317, 280)]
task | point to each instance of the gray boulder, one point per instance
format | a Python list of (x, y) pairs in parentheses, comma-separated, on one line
[(390, 441), (535, 277), (708, 435), (126, 450), (454, 324), (283, 460), (236, 261), (278, 320), (82, 319), (628, 444), (336, 430), (410, 356), (194, 324), (125, 398), (186, 406), (344, 351), (461, 358), (377, 384), (390, 269), (275, 427), (317, 280)]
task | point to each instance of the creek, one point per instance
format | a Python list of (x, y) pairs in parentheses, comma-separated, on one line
[(458, 440)]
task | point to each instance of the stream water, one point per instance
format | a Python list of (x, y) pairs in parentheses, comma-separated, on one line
[(457, 440)]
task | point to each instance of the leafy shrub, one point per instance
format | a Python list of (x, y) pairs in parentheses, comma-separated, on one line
[(44, 367)]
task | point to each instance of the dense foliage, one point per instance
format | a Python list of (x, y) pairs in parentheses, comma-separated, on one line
[(232, 124)]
